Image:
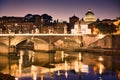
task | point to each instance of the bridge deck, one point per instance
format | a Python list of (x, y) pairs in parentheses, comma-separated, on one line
[(40, 34)]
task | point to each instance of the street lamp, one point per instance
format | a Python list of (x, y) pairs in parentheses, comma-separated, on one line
[(15, 27)]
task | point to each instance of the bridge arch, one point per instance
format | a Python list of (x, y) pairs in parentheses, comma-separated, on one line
[(66, 43), (38, 44)]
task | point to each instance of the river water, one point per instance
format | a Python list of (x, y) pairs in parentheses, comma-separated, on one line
[(99, 63)]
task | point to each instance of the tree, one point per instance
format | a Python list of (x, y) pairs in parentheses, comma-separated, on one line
[(46, 18), (106, 28), (28, 17)]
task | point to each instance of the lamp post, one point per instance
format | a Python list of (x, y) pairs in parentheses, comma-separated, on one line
[(16, 25)]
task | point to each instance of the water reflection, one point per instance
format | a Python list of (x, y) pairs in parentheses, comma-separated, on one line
[(62, 60)]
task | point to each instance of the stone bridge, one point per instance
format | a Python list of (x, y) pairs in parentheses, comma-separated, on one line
[(46, 41)]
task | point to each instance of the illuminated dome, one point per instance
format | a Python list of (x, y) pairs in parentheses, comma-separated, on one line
[(89, 16), (89, 13)]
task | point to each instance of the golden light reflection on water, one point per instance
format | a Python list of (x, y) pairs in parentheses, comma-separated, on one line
[(101, 68), (99, 63)]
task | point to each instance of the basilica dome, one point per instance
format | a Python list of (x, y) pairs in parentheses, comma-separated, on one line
[(89, 16), (89, 13)]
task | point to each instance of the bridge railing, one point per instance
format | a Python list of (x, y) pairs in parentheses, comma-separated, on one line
[(40, 35)]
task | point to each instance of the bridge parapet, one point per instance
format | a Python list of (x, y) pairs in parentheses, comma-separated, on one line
[(69, 40)]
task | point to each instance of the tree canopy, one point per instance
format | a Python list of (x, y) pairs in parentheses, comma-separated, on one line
[(106, 28), (46, 18)]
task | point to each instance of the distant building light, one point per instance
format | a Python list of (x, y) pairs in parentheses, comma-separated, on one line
[(85, 30), (73, 31), (16, 24)]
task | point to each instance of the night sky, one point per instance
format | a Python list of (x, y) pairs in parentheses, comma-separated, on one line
[(61, 9)]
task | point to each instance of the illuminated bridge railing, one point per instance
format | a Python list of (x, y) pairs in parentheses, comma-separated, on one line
[(40, 35)]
